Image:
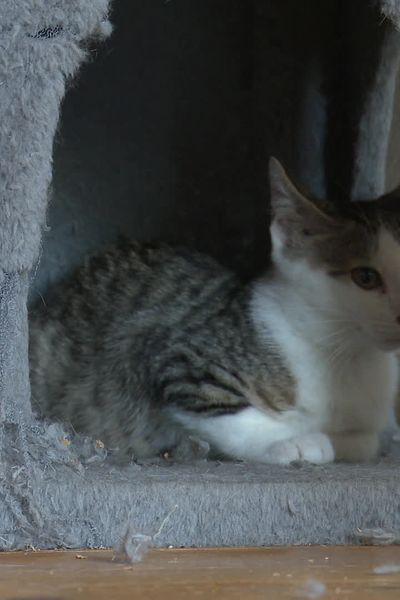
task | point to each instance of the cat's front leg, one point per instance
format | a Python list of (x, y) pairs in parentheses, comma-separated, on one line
[(355, 446), (315, 448), (255, 436), (321, 448)]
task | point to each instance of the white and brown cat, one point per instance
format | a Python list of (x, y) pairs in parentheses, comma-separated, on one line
[(146, 344)]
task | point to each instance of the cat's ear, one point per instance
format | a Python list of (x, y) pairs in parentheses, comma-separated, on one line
[(295, 216)]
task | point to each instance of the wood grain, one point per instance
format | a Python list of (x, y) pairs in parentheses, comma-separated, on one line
[(246, 574)]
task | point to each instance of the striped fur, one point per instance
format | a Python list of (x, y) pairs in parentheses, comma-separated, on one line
[(140, 330)]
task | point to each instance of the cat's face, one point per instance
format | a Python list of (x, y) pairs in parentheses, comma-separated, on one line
[(346, 267)]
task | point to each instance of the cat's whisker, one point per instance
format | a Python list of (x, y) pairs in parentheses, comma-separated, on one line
[(339, 353), (331, 337)]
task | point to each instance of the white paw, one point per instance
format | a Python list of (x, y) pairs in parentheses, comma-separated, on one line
[(314, 448)]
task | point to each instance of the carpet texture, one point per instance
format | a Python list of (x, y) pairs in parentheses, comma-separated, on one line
[(57, 489), (41, 47), (94, 503)]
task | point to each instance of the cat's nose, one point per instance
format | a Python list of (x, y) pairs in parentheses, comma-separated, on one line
[(398, 320)]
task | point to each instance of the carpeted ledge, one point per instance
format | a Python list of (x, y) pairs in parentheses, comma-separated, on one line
[(213, 503), (235, 504), (231, 504)]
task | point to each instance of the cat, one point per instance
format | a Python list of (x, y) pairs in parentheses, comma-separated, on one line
[(146, 344)]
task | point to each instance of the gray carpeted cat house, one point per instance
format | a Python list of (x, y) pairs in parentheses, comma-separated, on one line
[(166, 133)]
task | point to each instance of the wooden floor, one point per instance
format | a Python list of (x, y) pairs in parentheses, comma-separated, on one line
[(245, 574)]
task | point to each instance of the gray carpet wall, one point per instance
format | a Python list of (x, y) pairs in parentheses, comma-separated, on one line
[(165, 132)]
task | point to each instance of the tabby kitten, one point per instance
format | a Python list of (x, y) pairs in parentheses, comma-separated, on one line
[(147, 344)]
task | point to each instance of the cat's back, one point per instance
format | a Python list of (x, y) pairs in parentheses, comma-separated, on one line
[(133, 276), (128, 287)]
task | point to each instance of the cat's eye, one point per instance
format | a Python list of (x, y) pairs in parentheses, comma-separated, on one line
[(366, 278)]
